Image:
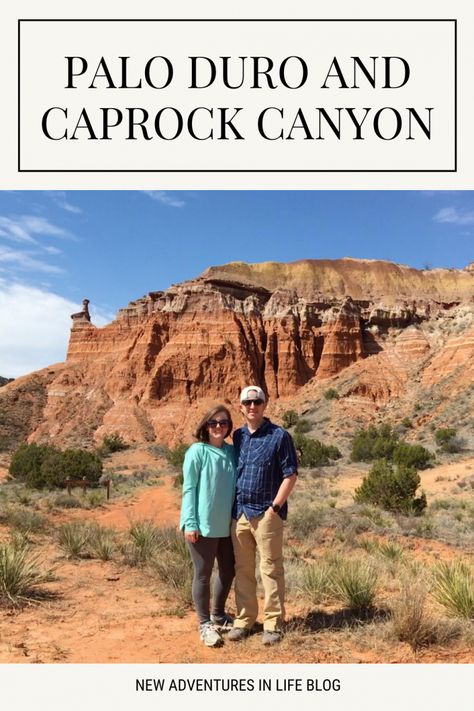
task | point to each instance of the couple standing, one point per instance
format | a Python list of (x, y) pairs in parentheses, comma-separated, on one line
[(241, 490)]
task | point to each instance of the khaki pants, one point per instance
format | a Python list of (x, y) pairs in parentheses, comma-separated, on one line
[(265, 534)]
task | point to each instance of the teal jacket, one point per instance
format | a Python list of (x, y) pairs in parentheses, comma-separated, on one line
[(208, 489)]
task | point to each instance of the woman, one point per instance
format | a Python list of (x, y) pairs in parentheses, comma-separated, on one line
[(208, 494)]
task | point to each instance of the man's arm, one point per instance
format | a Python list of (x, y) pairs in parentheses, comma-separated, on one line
[(284, 491)]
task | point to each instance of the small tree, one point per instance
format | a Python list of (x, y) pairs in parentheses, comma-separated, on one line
[(373, 443), (412, 455), (312, 453), (447, 440), (392, 488)]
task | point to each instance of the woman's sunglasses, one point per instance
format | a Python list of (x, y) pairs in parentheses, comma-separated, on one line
[(218, 423)]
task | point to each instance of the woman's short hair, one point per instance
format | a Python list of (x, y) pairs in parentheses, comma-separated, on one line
[(202, 432)]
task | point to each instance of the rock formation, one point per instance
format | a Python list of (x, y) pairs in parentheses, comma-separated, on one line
[(289, 327)]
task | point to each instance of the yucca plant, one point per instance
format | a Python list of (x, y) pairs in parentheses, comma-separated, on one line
[(316, 583), (20, 574), (453, 588), (145, 539), (175, 571), (354, 583), (73, 538), (101, 542)]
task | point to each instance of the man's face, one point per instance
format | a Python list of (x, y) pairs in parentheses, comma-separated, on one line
[(253, 409)]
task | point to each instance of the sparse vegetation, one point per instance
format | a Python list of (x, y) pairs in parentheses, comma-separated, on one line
[(302, 426), (331, 394)]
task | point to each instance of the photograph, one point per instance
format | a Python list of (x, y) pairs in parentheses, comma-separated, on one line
[(236, 427)]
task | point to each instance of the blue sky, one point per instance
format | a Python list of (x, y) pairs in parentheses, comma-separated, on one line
[(57, 248)]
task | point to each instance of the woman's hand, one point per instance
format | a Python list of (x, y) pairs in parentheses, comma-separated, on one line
[(191, 536)]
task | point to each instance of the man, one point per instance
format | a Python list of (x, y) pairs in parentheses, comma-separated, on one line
[(266, 474)]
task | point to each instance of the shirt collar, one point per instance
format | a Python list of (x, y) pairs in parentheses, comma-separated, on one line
[(262, 429)]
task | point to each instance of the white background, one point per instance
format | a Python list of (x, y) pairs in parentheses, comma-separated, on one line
[(431, 84), (459, 9)]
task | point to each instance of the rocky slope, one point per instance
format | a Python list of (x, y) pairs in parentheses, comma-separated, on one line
[(388, 337)]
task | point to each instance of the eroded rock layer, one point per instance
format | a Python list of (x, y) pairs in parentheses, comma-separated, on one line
[(149, 374)]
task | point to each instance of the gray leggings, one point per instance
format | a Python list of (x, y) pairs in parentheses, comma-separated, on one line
[(203, 554)]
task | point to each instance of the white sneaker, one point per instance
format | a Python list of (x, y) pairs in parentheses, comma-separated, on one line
[(223, 623), (209, 635)]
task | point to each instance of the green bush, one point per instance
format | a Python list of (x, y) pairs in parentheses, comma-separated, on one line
[(303, 426), (443, 435), (392, 488), (112, 443), (373, 443), (447, 440), (312, 453), (412, 455), (289, 418), (26, 463), (331, 394), (41, 466), (175, 456)]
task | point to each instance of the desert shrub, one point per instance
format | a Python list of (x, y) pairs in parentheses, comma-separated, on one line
[(176, 573), (175, 455), (26, 461), (304, 521), (23, 520), (443, 435), (354, 582), (112, 443), (448, 441), (412, 455), (406, 423), (315, 585), (65, 501), (303, 426), (101, 542), (373, 443), (331, 394), (145, 539), (410, 621), (20, 573), (289, 418), (73, 538), (392, 488), (312, 453), (41, 466), (453, 588)]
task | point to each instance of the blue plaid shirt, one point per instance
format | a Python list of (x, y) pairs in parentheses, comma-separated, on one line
[(265, 458)]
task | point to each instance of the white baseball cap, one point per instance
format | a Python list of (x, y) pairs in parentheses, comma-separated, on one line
[(252, 392)]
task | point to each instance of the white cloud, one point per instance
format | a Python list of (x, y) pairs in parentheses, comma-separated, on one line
[(60, 199), (34, 327), (454, 216), (25, 262), (164, 198)]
